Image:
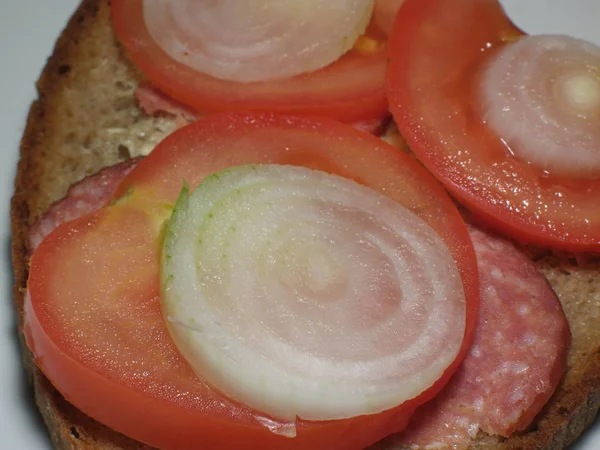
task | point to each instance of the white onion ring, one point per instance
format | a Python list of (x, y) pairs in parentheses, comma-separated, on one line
[(303, 294), (256, 40), (541, 95), (385, 12)]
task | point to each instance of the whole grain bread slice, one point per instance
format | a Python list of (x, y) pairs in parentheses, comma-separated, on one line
[(86, 118)]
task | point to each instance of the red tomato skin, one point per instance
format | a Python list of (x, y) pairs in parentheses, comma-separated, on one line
[(351, 89), (152, 412), (431, 82)]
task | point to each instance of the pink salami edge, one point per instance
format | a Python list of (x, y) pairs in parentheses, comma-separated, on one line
[(82, 198), (519, 346), (153, 101), (517, 358)]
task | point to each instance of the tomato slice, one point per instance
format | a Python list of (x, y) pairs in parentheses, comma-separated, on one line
[(92, 316), (351, 89), (436, 50)]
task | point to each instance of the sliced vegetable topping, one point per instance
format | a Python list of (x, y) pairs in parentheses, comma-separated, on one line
[(256, 40), (517, 361), (384, 14), (350, 89), (508, 131), (93, 317), (303, 294), (541, 95)]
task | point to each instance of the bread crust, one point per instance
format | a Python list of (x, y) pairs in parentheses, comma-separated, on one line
[(70, 134), (42, 179)]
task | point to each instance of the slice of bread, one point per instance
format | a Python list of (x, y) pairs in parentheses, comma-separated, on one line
[(86, 118)]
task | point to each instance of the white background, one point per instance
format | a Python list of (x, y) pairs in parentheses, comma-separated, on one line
[(28, 30)]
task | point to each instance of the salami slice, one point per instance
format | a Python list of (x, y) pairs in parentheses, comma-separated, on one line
[(83, 197), (516, 361)]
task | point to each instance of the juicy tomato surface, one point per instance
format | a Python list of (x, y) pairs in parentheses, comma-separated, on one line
[(437, 49), (93, 316), (350, 89)]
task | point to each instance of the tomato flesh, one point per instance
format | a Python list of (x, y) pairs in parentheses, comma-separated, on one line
[(93, 318), (436, 50), (350, 89)]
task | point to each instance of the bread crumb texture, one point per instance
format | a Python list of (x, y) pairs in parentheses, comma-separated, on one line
[(86, 103)]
